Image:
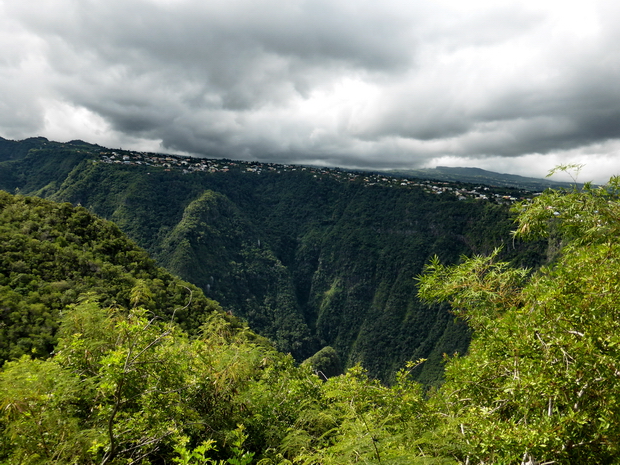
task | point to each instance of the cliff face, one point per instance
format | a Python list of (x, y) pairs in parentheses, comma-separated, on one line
[(309, 260)]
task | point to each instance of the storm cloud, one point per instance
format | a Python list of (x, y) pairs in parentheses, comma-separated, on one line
[(513, 87)]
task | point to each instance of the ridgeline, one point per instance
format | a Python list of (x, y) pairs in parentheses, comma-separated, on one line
[(310, 257)]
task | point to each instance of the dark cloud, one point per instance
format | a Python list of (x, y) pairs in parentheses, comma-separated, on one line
[(357, 83)]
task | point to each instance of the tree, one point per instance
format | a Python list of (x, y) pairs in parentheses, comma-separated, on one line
[(541, 381), (325, 363), (38, 414), (122, 387)]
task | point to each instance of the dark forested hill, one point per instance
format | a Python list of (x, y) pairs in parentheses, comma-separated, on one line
[(308, 258)]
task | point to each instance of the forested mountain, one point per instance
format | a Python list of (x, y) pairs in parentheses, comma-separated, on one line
[(53, 255), (123, 383), (310, 258)]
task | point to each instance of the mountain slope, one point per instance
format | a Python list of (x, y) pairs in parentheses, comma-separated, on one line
[(52, 254), (310, 259), (222, 253)]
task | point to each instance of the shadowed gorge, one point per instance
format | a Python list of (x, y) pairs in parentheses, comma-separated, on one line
[(309, 260)]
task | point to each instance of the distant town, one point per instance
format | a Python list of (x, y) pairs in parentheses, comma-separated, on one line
[(188, 165)]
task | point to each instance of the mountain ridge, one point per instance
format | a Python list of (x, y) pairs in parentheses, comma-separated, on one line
[(471, 175), (310, 257), (478, 175)]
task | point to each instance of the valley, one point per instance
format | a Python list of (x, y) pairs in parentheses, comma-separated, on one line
[(300, 318), (309, 257)]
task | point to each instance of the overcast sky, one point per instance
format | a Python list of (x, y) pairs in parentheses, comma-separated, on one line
[(513, 87)]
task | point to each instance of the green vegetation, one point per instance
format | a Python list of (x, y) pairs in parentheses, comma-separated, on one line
[(540, 381), (325, 363), (309, 258), (51, 254), (120, 381), (126, 384)]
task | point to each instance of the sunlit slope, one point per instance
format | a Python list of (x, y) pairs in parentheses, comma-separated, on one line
[(53, 255)]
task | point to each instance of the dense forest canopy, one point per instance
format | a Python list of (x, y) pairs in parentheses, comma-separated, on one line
[(52, 254), (310, 258), (125, 384)]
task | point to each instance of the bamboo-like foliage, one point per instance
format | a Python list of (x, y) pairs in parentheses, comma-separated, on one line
[(541, 380)]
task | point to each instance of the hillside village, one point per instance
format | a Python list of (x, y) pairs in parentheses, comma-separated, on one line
[(188, 165)]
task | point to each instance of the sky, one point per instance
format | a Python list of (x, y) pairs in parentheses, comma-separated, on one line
[(509, 86)]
